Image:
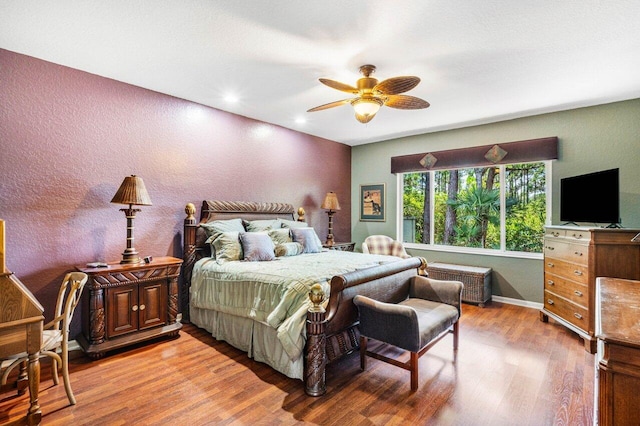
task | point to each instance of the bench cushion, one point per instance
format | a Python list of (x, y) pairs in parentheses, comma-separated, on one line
[(410, 324), (433, 318)]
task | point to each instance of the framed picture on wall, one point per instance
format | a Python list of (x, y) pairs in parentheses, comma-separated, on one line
[(372, 203)]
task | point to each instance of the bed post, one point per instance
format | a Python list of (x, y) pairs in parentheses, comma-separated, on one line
[(315, 351), (189, 245)]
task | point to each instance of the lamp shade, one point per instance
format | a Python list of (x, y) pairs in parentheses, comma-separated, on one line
[(132, 191), (330, 202)]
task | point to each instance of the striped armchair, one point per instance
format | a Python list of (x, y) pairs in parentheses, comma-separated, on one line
[(381, 244)]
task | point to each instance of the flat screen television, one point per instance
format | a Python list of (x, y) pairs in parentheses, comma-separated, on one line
[(593, 198)]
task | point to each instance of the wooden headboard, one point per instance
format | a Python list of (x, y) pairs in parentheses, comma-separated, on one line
[(195, 237)]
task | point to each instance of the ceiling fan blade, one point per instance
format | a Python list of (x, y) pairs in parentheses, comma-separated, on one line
[(406, 102), (395, 85), (364, 118), (330, 105), (338, 86)]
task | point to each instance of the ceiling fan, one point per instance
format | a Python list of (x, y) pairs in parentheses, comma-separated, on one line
[(373, 95)]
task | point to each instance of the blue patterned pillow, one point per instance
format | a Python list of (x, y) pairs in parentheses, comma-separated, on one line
[(257, 246), (308, 238)]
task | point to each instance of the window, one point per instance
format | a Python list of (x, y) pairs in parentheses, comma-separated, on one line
[(498, 208)]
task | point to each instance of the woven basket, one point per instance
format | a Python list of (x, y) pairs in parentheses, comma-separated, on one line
[(476, 280)]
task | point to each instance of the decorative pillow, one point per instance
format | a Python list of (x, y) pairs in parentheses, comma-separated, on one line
[(293, 224), (226, 246), (217, 226), (257, 246), (261, 224), (289, 249), (280, 236), (308, 238)]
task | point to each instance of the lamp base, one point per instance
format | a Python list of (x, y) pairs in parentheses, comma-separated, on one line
[(329, 241), (130, 256), (330, 234)]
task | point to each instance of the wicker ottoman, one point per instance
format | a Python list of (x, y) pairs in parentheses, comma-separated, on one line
[(476, 280)]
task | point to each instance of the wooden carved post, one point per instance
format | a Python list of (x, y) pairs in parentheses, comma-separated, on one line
[(173, 297), (189, 244), (97, 326), (316, 358)]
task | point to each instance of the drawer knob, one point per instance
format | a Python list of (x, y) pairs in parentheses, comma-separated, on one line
[(550, 264), (550, 282), (549, 301), (550, 248), (134, 308), (578, 273), (577, 293), (577, 253), (577, 236), (577, 315), (142, 307), (555, 234)]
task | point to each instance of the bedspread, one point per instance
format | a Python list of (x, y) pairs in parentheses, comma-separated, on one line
[(274, 292)]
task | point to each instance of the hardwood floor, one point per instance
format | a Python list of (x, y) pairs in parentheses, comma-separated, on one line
[(511, 369)]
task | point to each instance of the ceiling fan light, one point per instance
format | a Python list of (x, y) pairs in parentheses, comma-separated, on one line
[(367, 107)]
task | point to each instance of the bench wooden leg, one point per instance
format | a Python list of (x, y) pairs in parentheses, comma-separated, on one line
[(455, 335), (363, 352), (414, 371)]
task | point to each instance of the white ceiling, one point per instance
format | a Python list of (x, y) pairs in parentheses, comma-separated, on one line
[(479, 61)]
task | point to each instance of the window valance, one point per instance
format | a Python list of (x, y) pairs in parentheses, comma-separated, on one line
[(478, 156)]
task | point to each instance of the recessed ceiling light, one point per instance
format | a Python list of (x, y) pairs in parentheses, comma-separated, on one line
[(231, 98), (301, 120)]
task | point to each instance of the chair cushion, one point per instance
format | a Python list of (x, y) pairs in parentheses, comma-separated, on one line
[(433, 319), (51, 340)]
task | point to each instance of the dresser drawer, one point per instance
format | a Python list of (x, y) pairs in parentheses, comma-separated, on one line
[(575, 314), (562, 249), (566, 270), (578, 235), (575, 292), (555, 233)]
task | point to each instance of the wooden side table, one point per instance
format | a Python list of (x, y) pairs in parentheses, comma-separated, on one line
[(340, 246), (129, 303)]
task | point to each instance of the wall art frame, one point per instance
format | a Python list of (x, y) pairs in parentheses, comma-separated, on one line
[(373, 206)]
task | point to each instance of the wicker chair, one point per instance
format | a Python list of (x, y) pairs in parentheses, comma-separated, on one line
[(381, 244), (430, 312)]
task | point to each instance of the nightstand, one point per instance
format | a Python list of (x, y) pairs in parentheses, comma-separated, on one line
[(341, 246), (129, 303)]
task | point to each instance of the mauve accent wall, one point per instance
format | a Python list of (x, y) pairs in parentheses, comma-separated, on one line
[(69, 138)]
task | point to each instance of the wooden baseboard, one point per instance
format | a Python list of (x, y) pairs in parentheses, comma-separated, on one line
[(517, 302)]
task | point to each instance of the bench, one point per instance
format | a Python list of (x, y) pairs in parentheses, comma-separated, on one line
[(476, 280)]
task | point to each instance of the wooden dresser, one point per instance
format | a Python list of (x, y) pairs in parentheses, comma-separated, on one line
[(573, 258), (617, 382)]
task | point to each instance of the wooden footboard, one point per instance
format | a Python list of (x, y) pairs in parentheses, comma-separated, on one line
[(333, 333)]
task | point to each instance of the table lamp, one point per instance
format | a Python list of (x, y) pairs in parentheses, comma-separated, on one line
[(331, 204), (132, 192)]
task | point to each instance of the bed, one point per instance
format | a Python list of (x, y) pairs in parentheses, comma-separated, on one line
[(295, 325)]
